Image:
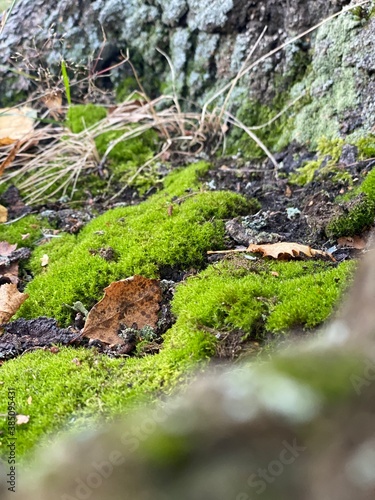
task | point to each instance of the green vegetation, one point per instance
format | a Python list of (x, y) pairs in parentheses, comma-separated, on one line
[(25, 232), (329, 152), (357, 214), (274, 136), (145, 238), (358, 211), (265, 296), (124, 159), (77, 387), (81, 117), (366, 147)]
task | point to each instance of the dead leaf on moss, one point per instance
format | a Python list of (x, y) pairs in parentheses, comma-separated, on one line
[(280, 250), (6, 248), (285, 249), (44, 260), (10, 301), (22, 419), (16, 124), (133, 301), (352, 242), (3, 214)]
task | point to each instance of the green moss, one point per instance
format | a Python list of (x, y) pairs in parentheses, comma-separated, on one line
[(81, 117), (329, 152), (124, 159), (126, 88), (235, 294), (128, 156), (358, 210), (305, 174), (358, 215), (275, 136), (29, 225), (65, 392), (229, 295), (366, 147), (145, 238)]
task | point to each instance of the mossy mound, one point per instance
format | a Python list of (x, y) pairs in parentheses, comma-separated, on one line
[(260, 297), (124, 159), (25, 232), (76, 387), (358, 212), (163, 231)]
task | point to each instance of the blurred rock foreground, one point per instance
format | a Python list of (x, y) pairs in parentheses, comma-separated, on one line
[(300, 426)]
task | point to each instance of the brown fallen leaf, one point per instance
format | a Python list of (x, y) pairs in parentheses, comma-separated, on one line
[(16, 124), (10, 301), (6, 248), (10, 271), (9, 262), (279, 250), (3, 214), (290, 249), (133, 301), (352, 242), (10, 158)]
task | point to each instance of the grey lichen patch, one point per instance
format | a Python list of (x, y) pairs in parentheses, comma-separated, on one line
[(172, 10), (333, 83), (179, 48), (207, 15), (204, 53)]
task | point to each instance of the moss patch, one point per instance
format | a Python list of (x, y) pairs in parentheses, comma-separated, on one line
[(144, 237), (77, 387), (275, 136), (30, 226), (328, 154), (261, 297), (358, 212), (81, 117)]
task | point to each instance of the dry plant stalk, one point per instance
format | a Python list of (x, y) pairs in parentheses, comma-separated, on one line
[(67, 155)]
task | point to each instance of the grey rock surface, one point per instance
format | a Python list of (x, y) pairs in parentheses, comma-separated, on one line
[(206, 40)]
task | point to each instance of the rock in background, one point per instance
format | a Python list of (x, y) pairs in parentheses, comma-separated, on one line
[(207, 43)]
